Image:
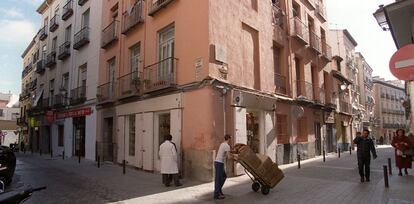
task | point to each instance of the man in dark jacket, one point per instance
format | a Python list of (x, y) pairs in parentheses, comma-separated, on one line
[(365, 146)]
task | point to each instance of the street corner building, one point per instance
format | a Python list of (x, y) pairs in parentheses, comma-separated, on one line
[(129, 72)]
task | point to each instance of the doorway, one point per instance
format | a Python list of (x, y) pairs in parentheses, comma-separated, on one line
[(162, 126), (79, 135), (252, 130), (329, 138), (107, 140), (318, 139)]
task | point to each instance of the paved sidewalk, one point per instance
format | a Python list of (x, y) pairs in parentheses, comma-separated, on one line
[(335, 181)]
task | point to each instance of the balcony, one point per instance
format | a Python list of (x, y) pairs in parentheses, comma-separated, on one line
[(54, 23), (158, 5), (280, 82), (278, 21), (43, 33), (300, 31), (81, 38), (315, 42), (50, 59), (60, 101), (40, 67), (320, 11), (133, 18), (27, 70), (311, 3), (78, 95), (105, 93), (45, 103), (330, 99), (304, 90), (129, 85), (319, 94), (326, 51), (109, 34), (64, 50), (161, 75), (344, 106), (67, 10), (82, 2)]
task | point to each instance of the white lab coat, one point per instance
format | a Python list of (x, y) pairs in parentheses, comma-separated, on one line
[(168, 157)]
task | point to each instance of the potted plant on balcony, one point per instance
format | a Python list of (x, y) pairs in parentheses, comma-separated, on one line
[(136, 81)]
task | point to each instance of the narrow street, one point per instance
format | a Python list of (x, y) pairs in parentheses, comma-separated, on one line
[(336, 181)]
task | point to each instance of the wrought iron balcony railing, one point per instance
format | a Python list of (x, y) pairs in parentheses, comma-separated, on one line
[(78, 95), (106, 92), (133, 17), (300, 30), (67, 10), (64, 50), (130, 85), (160, 75), (109, 34), (81, 38), (158, 5), (304, 89), (54, 24), (280, 82)]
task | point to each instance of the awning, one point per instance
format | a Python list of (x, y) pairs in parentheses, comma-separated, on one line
[(38, 96)]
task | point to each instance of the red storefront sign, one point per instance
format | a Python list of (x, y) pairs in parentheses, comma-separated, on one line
[(50, 117), (74, 113)]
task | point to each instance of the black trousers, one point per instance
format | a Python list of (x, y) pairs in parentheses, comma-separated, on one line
[(363, 164), (167, 178)]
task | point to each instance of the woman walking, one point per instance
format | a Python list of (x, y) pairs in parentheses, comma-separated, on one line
[(402, 143)]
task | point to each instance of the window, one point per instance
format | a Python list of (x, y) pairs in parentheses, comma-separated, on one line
[(134, 57), (44, 48), (82, 75), (132, 135), (1, 113), (277, 60), (65, 81), (68, 33), (296, 10), (52, 91), (54, 42), (338, 65), (166, 52), (45, 22), (281, 129), (85, 19), (111, 75), (61, 133)]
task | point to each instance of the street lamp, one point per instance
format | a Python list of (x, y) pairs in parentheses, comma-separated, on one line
[(381, 18)]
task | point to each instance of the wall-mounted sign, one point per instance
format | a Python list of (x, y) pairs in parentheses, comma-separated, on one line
[(402, 63), (74, 113)]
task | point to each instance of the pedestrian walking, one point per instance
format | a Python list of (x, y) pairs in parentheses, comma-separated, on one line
[(169, 162), (223, 152), (365, 146), (402, 145)]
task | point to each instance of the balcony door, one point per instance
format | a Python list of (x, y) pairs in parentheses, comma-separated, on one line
[(166, 52), (111, 76)]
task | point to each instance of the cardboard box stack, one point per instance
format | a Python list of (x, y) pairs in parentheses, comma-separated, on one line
[(262, 165)]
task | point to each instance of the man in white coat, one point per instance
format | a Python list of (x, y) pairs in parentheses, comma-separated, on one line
[(169, 162)]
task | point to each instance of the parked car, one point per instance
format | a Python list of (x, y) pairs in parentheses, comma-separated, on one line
[(7, 164)]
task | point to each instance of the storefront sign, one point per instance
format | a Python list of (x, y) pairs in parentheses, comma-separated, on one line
[(49, 116), (74, 113)]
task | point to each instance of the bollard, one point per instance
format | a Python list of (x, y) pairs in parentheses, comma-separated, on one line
[(63, 155), (339, 152), (385, 176), (99, 162), (298, 161), (123, 166), (324, 156), (350, 150), (389, 166)]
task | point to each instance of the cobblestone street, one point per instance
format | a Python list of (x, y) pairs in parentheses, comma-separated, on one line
[(336, 181)]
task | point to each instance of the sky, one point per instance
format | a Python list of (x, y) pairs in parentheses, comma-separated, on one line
[(19, 22)]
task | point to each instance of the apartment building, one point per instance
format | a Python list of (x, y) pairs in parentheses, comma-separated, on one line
[(259, 70), (344, 71), (67, 69), (29, 84), (389, 111), (366, 99)]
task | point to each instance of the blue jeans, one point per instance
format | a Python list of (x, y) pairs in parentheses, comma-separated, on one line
[(220, 178)]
